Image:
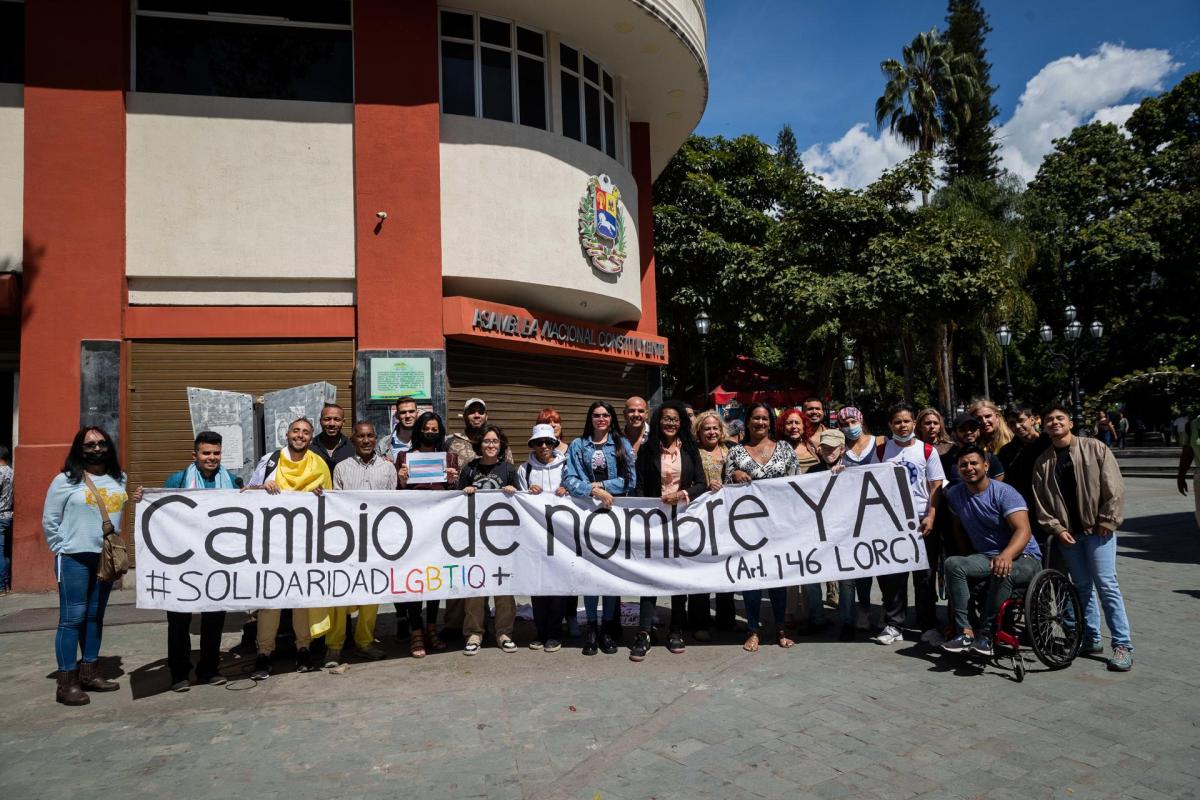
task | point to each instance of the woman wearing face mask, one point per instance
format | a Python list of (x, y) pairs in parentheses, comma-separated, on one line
[(924, 468), (669, 468), (489, 472), (854, 597), (429, 437), (711, 436), (994, 431), (75, 526), (931, 429), (758, 458), (600, 465), (543, 472)]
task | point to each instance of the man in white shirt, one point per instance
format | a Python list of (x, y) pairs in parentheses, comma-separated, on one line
[(925, 476)]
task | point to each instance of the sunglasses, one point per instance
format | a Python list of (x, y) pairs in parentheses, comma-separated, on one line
[(543, 443), (601, 416), (95, 446)]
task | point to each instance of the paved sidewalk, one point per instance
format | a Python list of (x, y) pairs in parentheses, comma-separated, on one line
[(823, 720)]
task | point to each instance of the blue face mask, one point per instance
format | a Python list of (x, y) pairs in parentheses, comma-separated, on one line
[(904, 439), (853, 432)]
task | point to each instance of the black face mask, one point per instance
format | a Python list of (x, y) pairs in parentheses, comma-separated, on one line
[(95, 456), (427, 438)]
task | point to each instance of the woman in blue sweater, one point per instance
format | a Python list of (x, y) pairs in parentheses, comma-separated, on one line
[(600, 466), (75, 528)]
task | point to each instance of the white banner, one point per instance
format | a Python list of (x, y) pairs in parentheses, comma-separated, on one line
[(203, 550)]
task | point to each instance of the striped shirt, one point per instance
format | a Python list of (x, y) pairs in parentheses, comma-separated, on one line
[(354, 473)]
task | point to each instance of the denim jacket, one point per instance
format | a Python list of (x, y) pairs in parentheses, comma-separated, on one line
[(578, 475)]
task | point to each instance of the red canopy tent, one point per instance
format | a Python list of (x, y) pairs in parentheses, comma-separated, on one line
[(749, 381)]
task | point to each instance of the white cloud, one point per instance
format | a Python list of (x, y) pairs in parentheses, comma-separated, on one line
[(1071, 90), (856, 159), (1117, 115), (1065, 93)]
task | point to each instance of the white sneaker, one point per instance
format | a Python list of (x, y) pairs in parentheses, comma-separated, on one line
[(864, 620), (888, 635), (933, 637)]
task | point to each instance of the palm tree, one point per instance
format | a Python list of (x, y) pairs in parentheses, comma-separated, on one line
[(919, 102), (922, 92)]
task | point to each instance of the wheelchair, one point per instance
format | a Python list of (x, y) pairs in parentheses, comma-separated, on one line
[(1045, 616)]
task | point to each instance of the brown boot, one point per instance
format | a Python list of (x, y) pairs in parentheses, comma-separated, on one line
[(69, 693), (91, 679)]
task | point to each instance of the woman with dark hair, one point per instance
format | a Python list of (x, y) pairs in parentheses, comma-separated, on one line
[(75, 525), (669, 468), (758, 458), (488, 473), (600, 465), (429, 436)]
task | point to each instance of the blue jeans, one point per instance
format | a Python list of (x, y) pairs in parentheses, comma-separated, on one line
[(5, 553), (82, 598), (610, 608), (1092, 562), (850, 594), (753, 601)]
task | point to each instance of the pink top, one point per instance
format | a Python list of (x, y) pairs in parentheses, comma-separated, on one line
[(670, 469)]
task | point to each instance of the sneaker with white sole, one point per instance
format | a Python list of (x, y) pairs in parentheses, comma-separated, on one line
[(982, 646), (1122, 659), (889, 635), (959, 644)]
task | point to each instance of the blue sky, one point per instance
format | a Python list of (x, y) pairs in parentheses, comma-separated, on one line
[(815, 64)]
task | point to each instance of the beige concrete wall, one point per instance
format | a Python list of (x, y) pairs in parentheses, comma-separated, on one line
[(235, 201), (12, 174), (510, 199)]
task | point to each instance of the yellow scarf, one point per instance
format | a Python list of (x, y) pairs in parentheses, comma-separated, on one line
[(304, 475)]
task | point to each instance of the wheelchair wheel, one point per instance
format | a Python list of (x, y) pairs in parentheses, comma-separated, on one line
[(1053, 619)]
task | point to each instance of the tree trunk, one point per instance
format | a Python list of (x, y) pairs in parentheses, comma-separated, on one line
[(941, 364), (906, 355)]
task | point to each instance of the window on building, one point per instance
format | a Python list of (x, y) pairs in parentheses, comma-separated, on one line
[(12, 42), (588, 105), (270, 49), (492, 68)]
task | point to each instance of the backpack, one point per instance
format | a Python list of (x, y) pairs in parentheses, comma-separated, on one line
[(879, 448), (272, 463)]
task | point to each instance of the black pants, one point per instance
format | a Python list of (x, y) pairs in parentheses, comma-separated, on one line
[(179, 644), (548, 615), (726, 611), (412, 613), (894, 588), (683, 607)]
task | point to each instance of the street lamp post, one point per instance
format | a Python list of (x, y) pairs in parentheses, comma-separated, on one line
[(1072, 333), (1004, 337), (849, 363), (703, 325)]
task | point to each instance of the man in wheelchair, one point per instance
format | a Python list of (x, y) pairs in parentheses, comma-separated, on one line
[(992, 519)]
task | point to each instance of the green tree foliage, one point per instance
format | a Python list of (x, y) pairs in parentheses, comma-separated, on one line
[(786, 149), (971, 150), (1117, 220)]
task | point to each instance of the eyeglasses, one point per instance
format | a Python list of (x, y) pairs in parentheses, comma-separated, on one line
[(95, 445), (491, 442), (600, 415), (669, 421)]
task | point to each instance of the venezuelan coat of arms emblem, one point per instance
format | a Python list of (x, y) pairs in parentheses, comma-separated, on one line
[(602, 225)]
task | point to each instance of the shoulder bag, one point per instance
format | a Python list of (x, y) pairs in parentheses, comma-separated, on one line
[(114, 558)]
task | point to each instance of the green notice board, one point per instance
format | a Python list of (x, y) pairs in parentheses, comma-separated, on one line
[(396, 377)]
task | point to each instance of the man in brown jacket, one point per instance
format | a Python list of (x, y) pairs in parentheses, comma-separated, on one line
[(1080, 499)]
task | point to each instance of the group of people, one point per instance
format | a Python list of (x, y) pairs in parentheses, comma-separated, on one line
[(990, 499)]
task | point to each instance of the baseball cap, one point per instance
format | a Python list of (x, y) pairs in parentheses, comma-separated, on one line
[(963, 420), (832, 438), (543, 431), (472, 402)]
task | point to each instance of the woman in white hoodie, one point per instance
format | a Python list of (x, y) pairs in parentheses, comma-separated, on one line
[(543, 472)]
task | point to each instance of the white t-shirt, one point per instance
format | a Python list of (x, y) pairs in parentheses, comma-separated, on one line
[(921, 470)]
